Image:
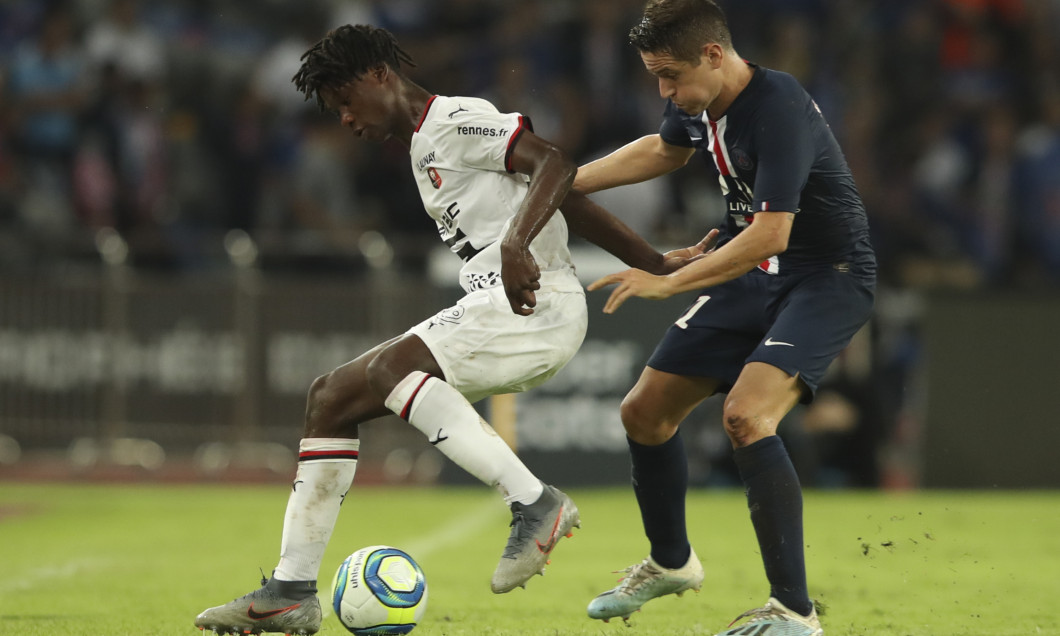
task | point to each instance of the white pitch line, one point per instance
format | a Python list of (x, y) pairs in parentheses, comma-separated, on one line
[(438, 538), (17, 582), (455, 531)]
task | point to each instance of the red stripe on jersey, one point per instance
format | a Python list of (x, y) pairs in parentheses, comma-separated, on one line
[(719, 156), (408, 405), (327, 454), (425, 110), (523, 124)]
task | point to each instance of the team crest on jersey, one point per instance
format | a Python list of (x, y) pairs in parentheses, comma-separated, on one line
[(436, 179), (741, 159)]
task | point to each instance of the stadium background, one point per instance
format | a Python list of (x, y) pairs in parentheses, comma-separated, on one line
[(185, 245)]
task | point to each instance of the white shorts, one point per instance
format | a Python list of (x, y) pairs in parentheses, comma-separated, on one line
[(485, 349)]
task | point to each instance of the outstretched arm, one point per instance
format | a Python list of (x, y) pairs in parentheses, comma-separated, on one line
[(595, 224), (767, 236), (640, 160), (551, 172)]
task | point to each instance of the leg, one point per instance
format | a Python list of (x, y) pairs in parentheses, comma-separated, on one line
[(338, 402), (651, 414), (658, 403), (541, 514), (402, 376), (327, 461), (817, 316), (761, 397), (483, 348), (448, 420), (356, 391)]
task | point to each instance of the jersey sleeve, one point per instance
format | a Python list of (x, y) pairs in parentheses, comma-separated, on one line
[(485, 140), (672, 130), (783, 140)]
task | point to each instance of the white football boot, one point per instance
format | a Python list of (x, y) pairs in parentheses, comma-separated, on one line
[(773, 619), (643, 582)]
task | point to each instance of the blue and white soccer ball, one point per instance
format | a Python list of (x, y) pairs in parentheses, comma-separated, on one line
[(379, 590)]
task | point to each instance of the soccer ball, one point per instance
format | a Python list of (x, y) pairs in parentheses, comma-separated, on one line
[(379, 590)]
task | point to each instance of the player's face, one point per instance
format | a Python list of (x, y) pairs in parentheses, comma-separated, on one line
[(363, 105), (690, 87)]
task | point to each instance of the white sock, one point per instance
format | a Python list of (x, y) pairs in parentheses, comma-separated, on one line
[(449, 421), (325, 473)]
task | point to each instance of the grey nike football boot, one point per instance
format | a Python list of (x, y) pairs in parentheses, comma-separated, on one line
[(267, 609), (536, 528)]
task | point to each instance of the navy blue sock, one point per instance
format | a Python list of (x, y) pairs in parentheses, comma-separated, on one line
[(774, 498), (660, 481)]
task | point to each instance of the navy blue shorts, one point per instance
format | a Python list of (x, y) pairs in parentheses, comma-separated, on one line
[(798, 323)]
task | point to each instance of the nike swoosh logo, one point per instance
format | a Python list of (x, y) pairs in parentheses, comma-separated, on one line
[(773, 343), (553, 539), (257, 616)]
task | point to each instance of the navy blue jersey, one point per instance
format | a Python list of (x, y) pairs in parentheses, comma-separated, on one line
[(774, 151)]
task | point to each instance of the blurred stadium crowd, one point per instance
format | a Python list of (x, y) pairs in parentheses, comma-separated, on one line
[(173, 125), (175, 121)]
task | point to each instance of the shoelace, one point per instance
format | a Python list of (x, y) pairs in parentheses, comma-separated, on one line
[(760, 614), (524, 529), (637, 575)]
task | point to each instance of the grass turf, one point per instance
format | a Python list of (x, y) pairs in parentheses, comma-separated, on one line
[(145, 559)]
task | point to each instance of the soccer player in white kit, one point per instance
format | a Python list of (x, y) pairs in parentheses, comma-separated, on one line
[(492, 187)]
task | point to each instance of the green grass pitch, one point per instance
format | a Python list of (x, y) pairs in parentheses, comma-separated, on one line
[(145, 559)]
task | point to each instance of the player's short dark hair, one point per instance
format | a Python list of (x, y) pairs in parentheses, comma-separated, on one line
[(680, 28), (345, 54)]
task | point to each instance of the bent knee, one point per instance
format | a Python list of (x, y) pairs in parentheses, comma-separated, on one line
[(643, 425), (320, 396), (745, 427), (332, 410), (388, 368), (378, 375)]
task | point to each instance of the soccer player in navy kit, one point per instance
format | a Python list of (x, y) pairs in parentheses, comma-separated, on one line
[(790, 283)]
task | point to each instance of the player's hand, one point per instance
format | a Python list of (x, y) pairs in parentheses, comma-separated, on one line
[(676, 259), (520, 276), (632, 282)]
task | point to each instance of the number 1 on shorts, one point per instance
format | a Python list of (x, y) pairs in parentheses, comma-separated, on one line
[(682, 322)]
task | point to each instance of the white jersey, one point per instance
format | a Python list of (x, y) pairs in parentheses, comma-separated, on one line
[(461, 158)]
